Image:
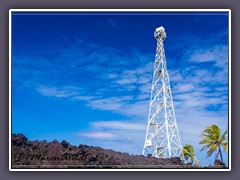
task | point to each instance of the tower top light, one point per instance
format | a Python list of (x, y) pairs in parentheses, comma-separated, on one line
[(160, 33)]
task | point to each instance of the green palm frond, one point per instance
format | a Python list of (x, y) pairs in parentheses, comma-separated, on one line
[(188, 153), (196, 159), (216, 131), (205, 141), (224, 135), (213, 139), (212, 149), (206, 146), (225, 145)]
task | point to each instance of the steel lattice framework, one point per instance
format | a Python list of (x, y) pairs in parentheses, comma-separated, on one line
[(162, 137)]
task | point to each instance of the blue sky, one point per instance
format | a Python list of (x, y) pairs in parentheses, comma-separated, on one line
[(86, 77)]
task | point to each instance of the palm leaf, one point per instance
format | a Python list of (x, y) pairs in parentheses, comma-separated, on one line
[(188, 153), (225, 145), (206, 141), (211, 150), (224, 135), (206, 146), (196, 159)]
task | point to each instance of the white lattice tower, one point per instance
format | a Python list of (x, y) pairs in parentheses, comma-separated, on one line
[(162, 138)]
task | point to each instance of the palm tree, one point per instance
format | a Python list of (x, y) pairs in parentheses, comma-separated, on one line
[(213, 139), (188, 153)]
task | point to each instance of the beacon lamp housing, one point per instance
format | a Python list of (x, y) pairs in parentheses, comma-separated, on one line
[(160, 33)]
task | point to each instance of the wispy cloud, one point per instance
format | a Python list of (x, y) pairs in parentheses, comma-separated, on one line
[(116, 81), (127, 80), (112, 103), (217, 54), (122, 135), (56, 92), (184, 87), (83, 98), (119, 125), (99, 135), (122, 105)]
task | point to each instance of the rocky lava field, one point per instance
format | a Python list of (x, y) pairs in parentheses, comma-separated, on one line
[(43, 154)]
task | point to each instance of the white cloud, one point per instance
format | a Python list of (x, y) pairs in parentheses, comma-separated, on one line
[(175, 75), (203, 56), (65, 92), (137, 109), (129, 88), (198, 99), (99, 135), (112, 75), (143, 96), (57, 92), (83, 98), (127, 80), (121, 105), (119, 125), (217, 54), (112, 104), (121, 136), (146, 88), (139, 75), (185, 87), (144, 79)]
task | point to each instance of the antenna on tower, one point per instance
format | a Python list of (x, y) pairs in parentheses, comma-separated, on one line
[(162, 137)]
